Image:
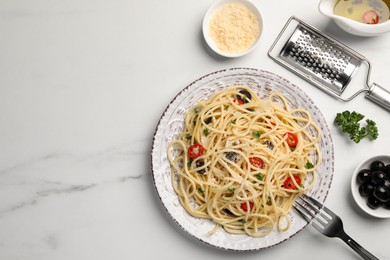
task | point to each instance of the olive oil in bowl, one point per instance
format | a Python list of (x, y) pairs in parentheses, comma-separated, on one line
[(364, 11)]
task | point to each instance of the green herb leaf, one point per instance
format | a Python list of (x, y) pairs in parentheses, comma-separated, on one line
[(242, 221), (309, 165), (259, 176), (232, 189), (372, 129), (350, 124), (200, 190), (256, 134), (206, 131), (189, 162)]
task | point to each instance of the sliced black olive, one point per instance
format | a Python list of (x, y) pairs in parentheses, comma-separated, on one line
[(377, 166), (366, 189), (247, 95), (208, 120), (269, 145), (199, 164), (228, 211), (363, 176), (378, 177), (381, 193), (231, 156), (373, 203)]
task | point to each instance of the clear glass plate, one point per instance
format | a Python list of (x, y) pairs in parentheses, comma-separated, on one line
[(172, 122)]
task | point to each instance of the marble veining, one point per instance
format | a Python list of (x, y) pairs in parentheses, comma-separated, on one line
[(43, 178)]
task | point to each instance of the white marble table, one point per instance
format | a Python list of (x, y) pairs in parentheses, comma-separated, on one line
[(82, 87)]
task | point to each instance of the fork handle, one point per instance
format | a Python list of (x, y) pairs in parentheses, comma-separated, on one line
[(358, 248)]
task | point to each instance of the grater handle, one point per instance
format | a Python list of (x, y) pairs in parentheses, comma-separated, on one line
[(379, 95)]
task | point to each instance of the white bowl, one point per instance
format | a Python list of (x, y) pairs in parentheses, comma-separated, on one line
[(361, 201), (206, 23), (353, 27)]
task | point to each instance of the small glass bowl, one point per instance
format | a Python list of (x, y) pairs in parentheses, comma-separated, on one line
[(360, 200)]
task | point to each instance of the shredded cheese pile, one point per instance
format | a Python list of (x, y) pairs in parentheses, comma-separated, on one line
[(234, 27)]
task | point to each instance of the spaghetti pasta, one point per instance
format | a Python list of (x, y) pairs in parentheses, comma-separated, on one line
[(241, 161)]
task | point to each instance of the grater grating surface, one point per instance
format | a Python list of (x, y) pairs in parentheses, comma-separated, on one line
[(317, 56), (323, 61)]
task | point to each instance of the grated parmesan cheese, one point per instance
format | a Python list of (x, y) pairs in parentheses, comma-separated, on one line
[(234, 27)]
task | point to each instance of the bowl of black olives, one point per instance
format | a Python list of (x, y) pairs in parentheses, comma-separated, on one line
[(370, 186)]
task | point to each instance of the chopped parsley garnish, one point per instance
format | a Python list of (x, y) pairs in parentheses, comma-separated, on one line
[(190, 162), (259, 176), (206, 131), (256, 134), (309, 165), (200, 190), (232, 189)]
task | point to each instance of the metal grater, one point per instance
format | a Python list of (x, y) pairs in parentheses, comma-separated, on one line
[(323, 61)]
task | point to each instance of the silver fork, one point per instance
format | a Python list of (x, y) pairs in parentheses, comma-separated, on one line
[(327, 222)]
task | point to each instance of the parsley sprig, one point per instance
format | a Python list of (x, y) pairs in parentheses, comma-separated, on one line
[(350, 124)]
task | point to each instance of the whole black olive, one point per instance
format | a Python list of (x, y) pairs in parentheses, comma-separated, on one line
[(377, 166), (366, 189), (387, 171), (378, 177), (386, 205), (373, 203), (246, 94), (363, 176), (387, 183), (381, 193)]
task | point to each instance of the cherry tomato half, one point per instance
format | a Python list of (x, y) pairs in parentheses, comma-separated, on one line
[(370, 17), (244, 206), (292, 139), (195, 150), (257, 162), (238, 101), (289, 183)]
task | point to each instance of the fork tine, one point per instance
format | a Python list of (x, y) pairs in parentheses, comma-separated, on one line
[(308, 212), (306, 207), (306, 217), (315, 202), (310, 205), (304, 213), (320, 206)]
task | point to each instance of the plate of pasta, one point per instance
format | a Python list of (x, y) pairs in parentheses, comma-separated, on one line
[(232, 152)]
